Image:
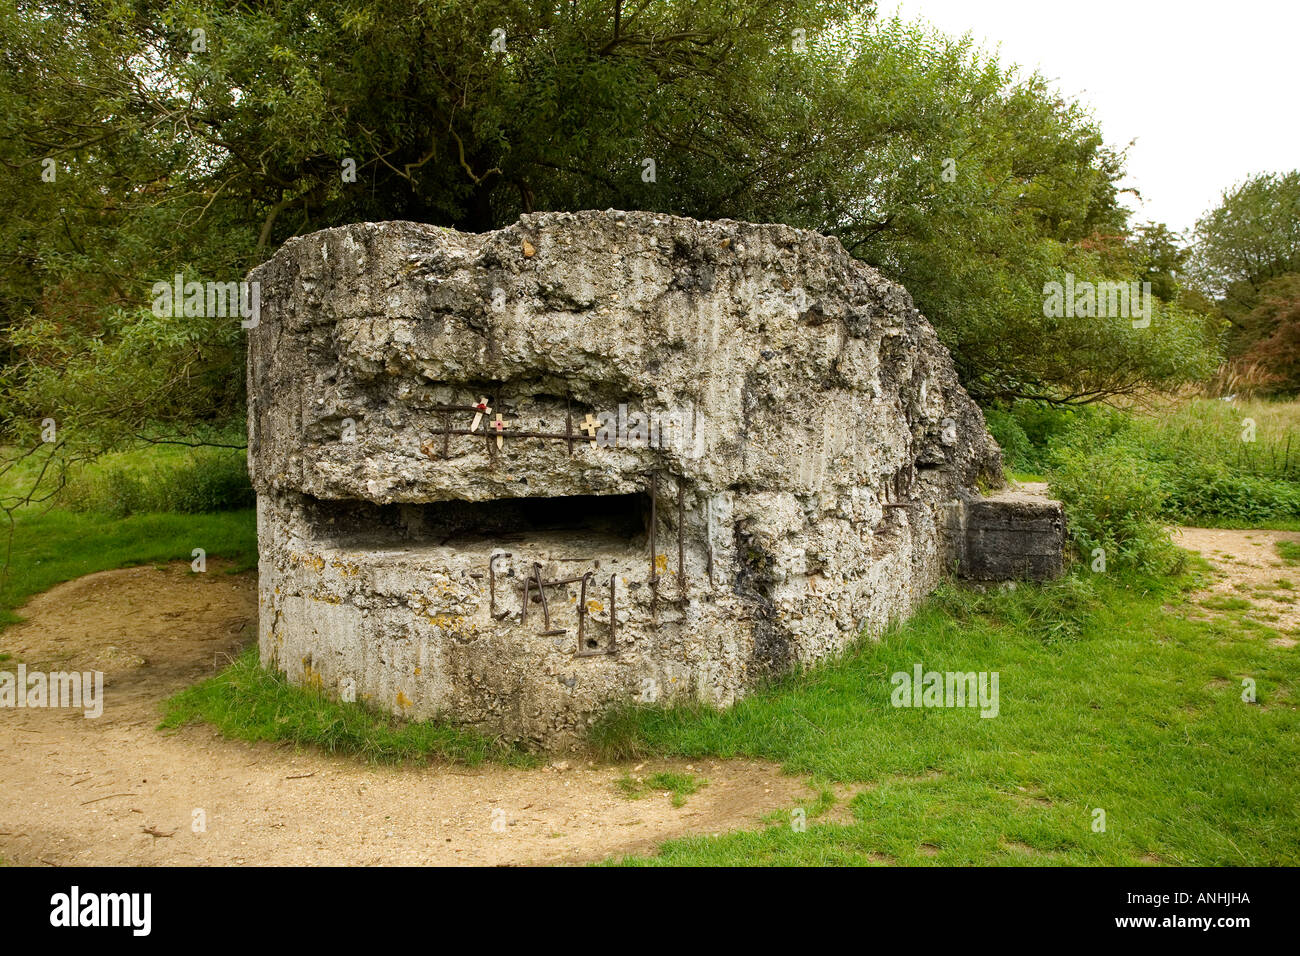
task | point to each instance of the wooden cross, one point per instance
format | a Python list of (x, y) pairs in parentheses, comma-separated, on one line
[(481, 410), (591, 425), (500, 427)]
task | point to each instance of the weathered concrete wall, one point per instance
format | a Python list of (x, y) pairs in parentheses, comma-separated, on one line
[(1010, 536), (827, 454)]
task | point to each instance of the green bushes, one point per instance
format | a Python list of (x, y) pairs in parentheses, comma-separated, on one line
[(1026, 431), (1122, 475), (1216, 493), (1113, 508), (189, 482), (1017, 452)]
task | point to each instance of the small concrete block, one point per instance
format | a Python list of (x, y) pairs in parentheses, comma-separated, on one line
[(1013, 536)]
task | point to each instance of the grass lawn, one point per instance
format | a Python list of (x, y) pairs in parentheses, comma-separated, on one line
[(1108, 701), (60, 545), (51, 545), (248, 702)]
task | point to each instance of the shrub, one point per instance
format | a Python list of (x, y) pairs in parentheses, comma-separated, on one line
[(1016, 451), (1114, 501), (202, 481), (1194, 459), (1027, 430), (1218, 493)]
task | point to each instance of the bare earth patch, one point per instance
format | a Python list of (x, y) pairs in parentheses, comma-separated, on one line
[(1247, 568), (116, 791)]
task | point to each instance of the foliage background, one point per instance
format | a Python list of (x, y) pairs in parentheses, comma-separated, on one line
[(174, 156)]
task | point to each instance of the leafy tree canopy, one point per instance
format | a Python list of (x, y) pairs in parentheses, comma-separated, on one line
[(194, 137), (1243, 248)]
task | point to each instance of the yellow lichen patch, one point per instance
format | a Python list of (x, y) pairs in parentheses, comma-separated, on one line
[(311, 678), (403, 700), (418, 670), (661, 562), (313, 561), (451, 622), (594, 606)]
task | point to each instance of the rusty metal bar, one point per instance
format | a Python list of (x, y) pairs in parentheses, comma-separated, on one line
[(613, 616), (612, 647), (512, 433), (554, 436), (568, 423), (557, 581), (546, 608), (487, 431), (582, 618), (523, 606)]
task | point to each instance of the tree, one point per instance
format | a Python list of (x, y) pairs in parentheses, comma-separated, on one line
[(1276, 323), (193, 137), (1249, 239)]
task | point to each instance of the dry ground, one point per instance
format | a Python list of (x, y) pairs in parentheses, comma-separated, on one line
[(115, 790), (1247, 569)]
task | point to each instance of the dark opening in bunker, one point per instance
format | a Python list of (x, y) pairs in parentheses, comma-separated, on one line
[(621, 520), (622, 517)]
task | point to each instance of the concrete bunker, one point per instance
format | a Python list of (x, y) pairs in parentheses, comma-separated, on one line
[(516, 477)]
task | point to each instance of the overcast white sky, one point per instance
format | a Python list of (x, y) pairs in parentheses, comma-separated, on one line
[(1207, 89)]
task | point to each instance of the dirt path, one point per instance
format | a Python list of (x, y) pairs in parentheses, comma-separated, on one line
[(114, 790), (1249, 576)]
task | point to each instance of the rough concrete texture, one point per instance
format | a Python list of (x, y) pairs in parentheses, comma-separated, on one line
[(786, 415), (1011, 535)]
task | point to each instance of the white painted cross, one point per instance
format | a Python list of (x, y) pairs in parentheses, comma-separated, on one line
[(482, 409)]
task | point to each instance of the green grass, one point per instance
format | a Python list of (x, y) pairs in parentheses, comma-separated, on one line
[(1289, 551), (1107, 700), (680, 785), (59, 545), (1221, 602), (248, 702)]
